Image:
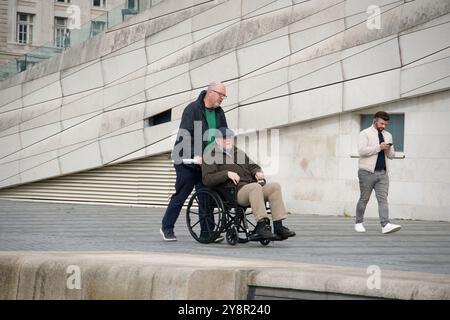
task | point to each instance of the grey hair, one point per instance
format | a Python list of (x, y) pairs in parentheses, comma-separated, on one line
[(214, 84)]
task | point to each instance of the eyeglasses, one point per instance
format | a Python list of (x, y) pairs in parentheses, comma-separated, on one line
[(224, 96)]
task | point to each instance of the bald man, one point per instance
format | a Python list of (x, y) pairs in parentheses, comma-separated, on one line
[(205, 115)]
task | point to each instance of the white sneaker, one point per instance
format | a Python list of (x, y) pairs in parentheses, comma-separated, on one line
[(359, 227), (390, 228)]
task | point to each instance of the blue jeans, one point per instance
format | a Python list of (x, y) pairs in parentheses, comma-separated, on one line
[(187, 179)]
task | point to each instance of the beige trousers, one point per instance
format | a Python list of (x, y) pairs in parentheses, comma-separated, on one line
[(255, 195)]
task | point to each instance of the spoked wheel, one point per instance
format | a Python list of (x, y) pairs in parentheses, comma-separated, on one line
[(205, 216), (232, 236), (242, 228)]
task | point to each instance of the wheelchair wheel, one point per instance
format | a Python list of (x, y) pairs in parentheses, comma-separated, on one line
[(232, 236), (205, 216)]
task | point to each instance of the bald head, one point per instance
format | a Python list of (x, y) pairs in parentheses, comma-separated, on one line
[(215, 94)]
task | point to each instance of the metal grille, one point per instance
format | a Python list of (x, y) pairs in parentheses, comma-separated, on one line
[(149, 181)]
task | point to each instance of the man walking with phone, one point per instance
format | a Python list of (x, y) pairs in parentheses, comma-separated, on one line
[(375, 147)]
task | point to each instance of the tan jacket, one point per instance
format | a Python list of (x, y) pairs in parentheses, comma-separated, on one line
[(369, 147)]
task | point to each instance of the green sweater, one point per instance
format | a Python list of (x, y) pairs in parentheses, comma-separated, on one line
[(211, 119)]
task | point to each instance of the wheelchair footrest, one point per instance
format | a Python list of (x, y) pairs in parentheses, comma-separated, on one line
[(255, 237)]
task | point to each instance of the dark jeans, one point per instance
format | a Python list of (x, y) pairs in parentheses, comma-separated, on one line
[(187, 179)]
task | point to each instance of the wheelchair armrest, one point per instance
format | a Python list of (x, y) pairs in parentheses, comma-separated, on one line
[(228, 192)]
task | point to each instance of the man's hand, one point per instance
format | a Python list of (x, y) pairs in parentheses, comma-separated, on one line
[(259, 176), (234, 177), (384, 146), (198, 159)]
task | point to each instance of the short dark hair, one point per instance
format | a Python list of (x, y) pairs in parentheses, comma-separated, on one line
[(382, 115)]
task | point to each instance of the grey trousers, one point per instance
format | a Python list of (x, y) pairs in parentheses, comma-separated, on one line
[(378, 181)]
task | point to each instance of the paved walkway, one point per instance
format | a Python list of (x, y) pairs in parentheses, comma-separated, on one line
[(420, 246)]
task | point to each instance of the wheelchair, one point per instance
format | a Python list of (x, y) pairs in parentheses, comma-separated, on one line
[(213, 212)]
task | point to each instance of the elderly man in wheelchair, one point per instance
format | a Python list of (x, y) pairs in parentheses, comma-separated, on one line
[(235, 183)]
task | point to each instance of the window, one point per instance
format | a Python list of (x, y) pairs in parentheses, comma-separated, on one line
[(62, 36), (23, 63), (63, 1), (99, 3), (24, 28), (131, 9), (97, 27), (396, 126), (160, 118), (132, 4)]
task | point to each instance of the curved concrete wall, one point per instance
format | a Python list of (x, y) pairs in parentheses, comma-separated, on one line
[(286, 64), (122, 276)]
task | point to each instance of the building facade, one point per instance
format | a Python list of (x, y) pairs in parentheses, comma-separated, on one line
[(29, 25), (303, 78)]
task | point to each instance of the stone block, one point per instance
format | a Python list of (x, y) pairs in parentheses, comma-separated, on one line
[(425, 78), (261, 55), (266, 114), (154, 107), (33, 136), (82, 78), (372, 90), (9, 170), (314, 74), (82, 104), (356, 11), (126, 92), (46, 170), (122, 148), (263, 86), (10, 119), (41, 114), (316, 103), (120, 66), (83, 131), (370, 58), (315, 35), (81, 157), (9, 98), (224, 67), (216, 15), (417, 45), (116, 119), (254, 8), (168, 82), (42, 89)]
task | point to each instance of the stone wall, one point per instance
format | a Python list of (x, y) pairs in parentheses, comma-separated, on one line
[(290, 64)]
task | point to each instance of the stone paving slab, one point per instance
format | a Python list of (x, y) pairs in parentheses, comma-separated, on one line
[(421, 246)]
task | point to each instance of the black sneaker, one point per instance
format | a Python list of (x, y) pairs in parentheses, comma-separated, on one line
[(284, 233), (264, 231), (205, 237), (168, 235), (219, 239)]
